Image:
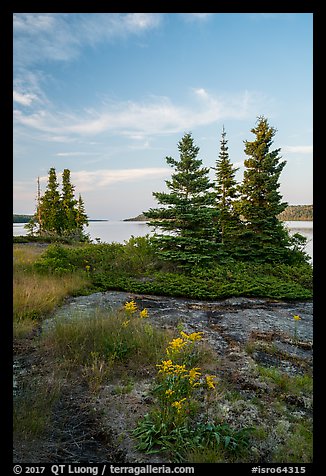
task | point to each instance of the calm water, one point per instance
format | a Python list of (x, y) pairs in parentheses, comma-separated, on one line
[(120, 231)]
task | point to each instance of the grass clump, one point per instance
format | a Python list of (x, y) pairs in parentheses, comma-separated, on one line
[(298, 385), (35, 295), (102, 341), (297, 445), (32, 409)]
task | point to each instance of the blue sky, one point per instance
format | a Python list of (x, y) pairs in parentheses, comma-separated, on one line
[(110, 95)]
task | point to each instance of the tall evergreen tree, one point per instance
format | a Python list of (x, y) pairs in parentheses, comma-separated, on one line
[(264, 237), (59, 214), (69, 203), (187, 211), (226, 190), (81, 218), (51, 206)]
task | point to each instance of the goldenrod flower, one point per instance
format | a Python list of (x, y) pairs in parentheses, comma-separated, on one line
[(178, 404), (211, 381), (165, 367), (179, 369), (130, 307), (296, 320), (193, 374), (169, 392), (176, 345), (193, 337), (143, 314)]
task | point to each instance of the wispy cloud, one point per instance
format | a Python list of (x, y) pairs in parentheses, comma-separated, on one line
[(74, 154), (86, 180), (157, 115), (298, 149), (196, 16), (25, 99), (60, 37)]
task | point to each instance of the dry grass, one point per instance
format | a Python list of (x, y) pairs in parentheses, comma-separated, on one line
[(26, 254), (33, 407), (98, 339), (35, 295)]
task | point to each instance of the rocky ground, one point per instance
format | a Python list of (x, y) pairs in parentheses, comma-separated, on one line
[(246, 334)]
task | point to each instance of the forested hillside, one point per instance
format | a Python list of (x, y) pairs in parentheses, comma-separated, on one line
[(21, 218), (297, 212), (291, 213)]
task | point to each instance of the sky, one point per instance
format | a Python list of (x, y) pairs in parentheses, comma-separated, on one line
[(109, 96)]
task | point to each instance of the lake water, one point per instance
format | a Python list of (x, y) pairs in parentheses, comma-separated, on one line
[(120, 231)]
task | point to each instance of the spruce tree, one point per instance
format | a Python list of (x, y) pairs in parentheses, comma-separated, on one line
[(51, 206), (186, 216), (263, 238), (59, 214), (226, 192), (81, 218), (69, 203)]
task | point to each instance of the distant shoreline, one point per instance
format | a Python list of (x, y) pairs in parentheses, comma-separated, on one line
[(291, 213), (25, 218)]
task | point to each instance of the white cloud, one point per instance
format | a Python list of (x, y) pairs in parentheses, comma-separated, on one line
[(201, 93), (33, 22), (57, 138), (298, 149), (142, 21), (88, 180), (25, 99), (40, 36), (74, 154), (85, 180), (158, 115), (197, 16)]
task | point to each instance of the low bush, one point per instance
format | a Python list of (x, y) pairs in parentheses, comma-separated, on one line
[(134, 267)]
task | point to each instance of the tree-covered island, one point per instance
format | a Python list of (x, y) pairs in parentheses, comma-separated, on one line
[(187, 387), (212, 238)]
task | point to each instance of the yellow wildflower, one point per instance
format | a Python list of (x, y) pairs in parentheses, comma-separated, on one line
[(296, 320), (179, 369), (211, 381), (176, 345), (166, 366), (143, 314), (125, 323), (178, 404), (193, 374), (169, 392), (130, 307), (193, 336)]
